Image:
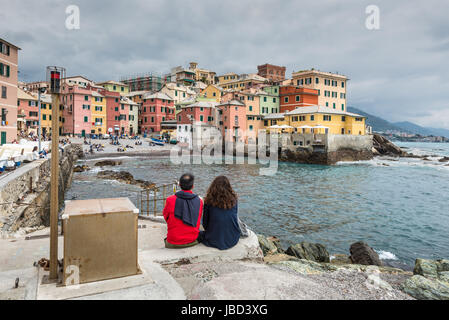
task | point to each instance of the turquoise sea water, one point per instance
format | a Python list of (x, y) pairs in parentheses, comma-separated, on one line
[(398, 206)]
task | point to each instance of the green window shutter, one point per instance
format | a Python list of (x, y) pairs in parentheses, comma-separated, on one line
[(7, 71)]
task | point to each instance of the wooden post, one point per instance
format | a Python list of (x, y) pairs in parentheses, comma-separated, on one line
[(54, 201)]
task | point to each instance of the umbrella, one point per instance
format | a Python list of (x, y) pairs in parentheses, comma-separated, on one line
[(305, 127), (284, 126), (274, 127), (321, 127)]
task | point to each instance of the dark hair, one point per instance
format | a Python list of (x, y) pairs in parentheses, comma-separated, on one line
[(220, 194), (186, 181)]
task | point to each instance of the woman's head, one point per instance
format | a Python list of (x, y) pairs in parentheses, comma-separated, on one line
[(220, 194)]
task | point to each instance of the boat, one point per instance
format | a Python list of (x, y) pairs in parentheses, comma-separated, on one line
[(157, 142)]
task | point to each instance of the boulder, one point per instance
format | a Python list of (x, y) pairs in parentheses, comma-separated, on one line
[(277, 242), (426, 268), (362, 253), (340, 259), (267, 246), (126, 177), (309, 251), (423, 288), (81, 168), (444, 159), (106, 163), (305, 266), (385, 147)]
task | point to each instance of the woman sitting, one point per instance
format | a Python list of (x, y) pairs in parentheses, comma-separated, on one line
[(220, 218)]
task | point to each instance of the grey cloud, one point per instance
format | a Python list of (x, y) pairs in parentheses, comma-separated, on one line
[(398, 72)]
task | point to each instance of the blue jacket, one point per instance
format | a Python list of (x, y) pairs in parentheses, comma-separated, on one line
[(221, 227)]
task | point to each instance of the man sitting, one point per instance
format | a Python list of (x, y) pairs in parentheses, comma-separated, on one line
[(183, 213)]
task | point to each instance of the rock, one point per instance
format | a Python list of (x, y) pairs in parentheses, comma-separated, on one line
[(340, 259), (362, 253), (444, 276), (444, 159), (422, 288), (277, 242), (385, 147), (266, 245), (305, 266), (273, 258), (443, 265), (426, 159), (426, 268), (126, 177), (81, 168), (309, 251), (108, 163)]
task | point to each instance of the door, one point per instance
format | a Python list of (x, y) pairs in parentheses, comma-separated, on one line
[(83, 133), (3, 138)]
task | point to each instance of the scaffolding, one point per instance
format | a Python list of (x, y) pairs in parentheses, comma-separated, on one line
[(146, 81)]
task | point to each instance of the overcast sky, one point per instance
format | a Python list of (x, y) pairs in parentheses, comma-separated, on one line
[(399, 72)]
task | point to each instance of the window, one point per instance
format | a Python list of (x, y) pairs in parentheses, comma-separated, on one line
[(317, 80), (86, 98), (4, 92), (274, 100), (343, 107), (343, 118), (342, 84), (201, 118), (327, 118), (86, 119), (44, 117), (333, 105), (264, 99), (251, 128), (250, 108), (312, 118), (116, 108), (297, 98), (286, 99)]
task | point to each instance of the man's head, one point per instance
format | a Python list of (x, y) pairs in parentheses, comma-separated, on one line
[(186, 181)]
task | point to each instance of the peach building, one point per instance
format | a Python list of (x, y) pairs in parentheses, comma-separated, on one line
[(8, 91), (232, 120), (77, 110)]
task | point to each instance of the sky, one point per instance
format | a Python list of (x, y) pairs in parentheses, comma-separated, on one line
[(398, 71)]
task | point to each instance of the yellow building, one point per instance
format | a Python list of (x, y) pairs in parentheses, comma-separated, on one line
[(46, 111), (212, 92), (228, 77), (318, 119), (331, 87), (115, 86), (98, 111), (242, 82)]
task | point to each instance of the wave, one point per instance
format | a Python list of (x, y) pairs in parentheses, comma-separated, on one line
[(386, 255)]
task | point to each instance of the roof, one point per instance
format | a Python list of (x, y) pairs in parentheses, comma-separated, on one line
[(322, 109), (137, 93), (180, 87), (275, 116), (202, 104), (96, 94), (112, 82), (126, 100), (23, 95), (157, 95), (232, 103), (9, 43), (323, 73)]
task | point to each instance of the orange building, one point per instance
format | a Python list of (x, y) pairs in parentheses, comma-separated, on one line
[(292, 97)]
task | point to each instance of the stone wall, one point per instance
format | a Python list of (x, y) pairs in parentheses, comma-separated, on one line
[(25, 193)]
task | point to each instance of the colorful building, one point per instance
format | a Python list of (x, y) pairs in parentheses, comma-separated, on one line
[(272, 72), (98, 111), (115, 86), (243, 82), (133, 117), (212, 92), (269, 100), (77, 117), (156, 108), (331, 87), (292, 97), (319, 119), (9, 57), (203, 75), (178, 92), (232, 120), (28, 107)]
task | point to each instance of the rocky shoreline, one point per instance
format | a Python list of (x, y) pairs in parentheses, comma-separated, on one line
[(428, 281)]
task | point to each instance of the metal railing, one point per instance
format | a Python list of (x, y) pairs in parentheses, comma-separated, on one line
[(152, 200)]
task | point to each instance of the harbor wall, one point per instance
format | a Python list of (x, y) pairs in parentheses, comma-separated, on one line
[(25, 192)]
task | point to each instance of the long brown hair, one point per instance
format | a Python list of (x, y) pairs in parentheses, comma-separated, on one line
[(220, 194)]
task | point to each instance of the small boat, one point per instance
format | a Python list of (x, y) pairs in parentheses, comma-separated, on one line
[(157, 142)]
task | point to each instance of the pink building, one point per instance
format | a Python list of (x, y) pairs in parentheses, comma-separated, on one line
[(76, 114), (232, 120), (201, 111), (9, 54), (156, 108), (28, 107)]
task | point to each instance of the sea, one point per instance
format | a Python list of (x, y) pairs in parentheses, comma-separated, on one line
[(399, 206)]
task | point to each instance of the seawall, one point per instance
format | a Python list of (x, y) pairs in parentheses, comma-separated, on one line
[(25, 192)]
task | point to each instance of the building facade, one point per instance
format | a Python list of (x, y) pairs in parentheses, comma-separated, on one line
[(76, 113), (98, 111), (156, 108), (292, 97), (28, 107), (9, 60), (115, 86), (272, 72), (331, 87)]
